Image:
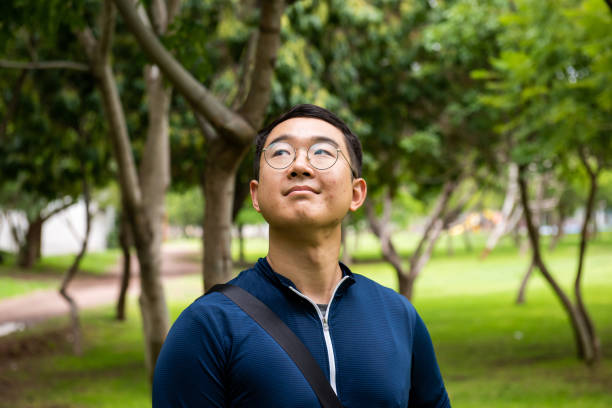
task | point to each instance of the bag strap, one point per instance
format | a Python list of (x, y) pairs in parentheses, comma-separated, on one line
[(286, 338)]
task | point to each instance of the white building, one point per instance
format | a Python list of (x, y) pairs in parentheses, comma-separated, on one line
[(63, 233)]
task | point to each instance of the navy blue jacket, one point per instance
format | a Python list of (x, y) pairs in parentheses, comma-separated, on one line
[(371, 344)]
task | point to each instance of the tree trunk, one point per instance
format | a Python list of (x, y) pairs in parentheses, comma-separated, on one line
[(450, 250), (581, 334), (509, 204), (72, 271), (431, 233), (146, 228), (125, 241), (520, 299), (219, 193), (381, 227), (234, 131), (516, 235), (536, 217), (589, 207), (418, 263), (143, 198), (29, 251), (561, 215), (154, 181), (30, 243)]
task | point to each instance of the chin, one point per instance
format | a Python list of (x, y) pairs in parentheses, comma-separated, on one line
[(301, 222)]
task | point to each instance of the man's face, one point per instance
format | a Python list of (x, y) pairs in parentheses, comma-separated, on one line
[(300, 194)]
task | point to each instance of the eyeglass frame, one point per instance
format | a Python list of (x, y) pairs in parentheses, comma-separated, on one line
[(338, 150)]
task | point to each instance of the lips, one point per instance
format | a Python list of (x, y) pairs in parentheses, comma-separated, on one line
[(295, 189)]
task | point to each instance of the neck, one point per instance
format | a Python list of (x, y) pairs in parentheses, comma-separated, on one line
[(308, 259)]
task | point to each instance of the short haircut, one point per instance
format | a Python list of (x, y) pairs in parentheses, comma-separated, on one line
[(316, 112)]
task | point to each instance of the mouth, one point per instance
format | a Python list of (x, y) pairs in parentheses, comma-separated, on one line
[(300, 190)]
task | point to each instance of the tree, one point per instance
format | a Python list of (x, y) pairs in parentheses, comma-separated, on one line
[(549, 83), (73, 269), (409, 104), (229, 132), (143, 193), (46, 116)]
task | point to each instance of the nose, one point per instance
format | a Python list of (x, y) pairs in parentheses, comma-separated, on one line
[(301, 165)]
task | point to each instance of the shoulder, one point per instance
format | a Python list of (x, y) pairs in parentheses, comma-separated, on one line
[(216, 305), (214, 312)]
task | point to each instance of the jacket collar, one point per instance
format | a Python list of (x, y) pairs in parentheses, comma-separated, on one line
[(263, 267)]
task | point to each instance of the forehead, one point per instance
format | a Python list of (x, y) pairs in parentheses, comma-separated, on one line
[(304, 131)]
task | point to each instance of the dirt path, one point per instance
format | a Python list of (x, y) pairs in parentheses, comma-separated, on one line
[(177, 260)]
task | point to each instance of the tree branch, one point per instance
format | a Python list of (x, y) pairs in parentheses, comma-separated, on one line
[(18, 236), (130, 187), (57, 210), (173, 7), (109, 16), (436, 213), (158, 14), (72, 271), (89, 44), (208, 131), (450, 216), (245, 70), (585, 162), (204, 102), (380, 227), (268, 42), (77, 66)]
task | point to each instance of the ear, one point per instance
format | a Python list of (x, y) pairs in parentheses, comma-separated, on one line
[(254, 187), (360, 191)]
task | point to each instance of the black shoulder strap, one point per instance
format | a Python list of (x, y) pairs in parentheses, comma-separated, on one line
[(285, 337)]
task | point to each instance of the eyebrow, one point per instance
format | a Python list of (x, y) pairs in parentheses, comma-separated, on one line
[(315, 139)]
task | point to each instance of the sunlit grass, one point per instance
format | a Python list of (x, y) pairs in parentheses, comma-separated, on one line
[(49, 270), (492, 352), (13, 287), (93, 263)]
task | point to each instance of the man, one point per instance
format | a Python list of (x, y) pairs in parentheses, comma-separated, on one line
[(369, 341)]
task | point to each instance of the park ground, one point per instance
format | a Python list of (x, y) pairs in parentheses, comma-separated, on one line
[(492, 353)]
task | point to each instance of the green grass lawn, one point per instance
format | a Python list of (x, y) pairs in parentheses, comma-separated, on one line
[(10, 287), (93, 263), (48, 271), (492, 353)]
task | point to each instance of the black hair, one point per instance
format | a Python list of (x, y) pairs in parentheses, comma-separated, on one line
[(311, 111)]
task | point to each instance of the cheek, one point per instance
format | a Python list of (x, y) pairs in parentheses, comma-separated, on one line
[(340, 193)]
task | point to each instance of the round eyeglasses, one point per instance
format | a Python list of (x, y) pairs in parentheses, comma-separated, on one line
[(321, 156)]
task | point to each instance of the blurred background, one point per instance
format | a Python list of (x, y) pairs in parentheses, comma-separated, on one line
[(126, 133)]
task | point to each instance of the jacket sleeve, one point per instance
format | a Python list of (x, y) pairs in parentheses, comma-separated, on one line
[(427, 387), (189, 369)]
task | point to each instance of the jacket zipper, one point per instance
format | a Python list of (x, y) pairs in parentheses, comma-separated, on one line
[(326, 335)]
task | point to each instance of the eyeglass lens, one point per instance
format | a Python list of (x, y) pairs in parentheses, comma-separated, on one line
[(321, 156)]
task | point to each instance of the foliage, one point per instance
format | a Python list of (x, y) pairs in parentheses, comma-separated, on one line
[(186, 208), (54, 135), (548, 81)]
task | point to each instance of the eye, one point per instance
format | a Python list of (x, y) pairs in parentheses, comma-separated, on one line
[(280, 149), (280, 152), (323, 150)]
